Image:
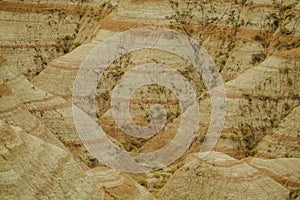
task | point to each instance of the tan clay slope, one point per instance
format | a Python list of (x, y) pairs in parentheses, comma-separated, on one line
[(61, 73), (54, 111), (28, 38), (225, 35), (284, 141), (285, 171), (136, 14), (16, 113), (18, 95), (35, 32), (250, 89), (34, 169), (257, 100), (117, 185), (239, 60), (51, 109), (140, 14), (261, 91), (45, 115), (219, 176), (39, 112)]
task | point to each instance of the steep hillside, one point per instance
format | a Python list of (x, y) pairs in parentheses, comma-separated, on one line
[(34, 169), (220, 176), (255, 45)]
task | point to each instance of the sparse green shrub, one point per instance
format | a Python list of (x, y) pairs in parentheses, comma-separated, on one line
[(252, 152), (136, 143), (258, 57), (285, 31), (275, 123), (171, 116), (141, 180), (159, 184), (234, 137), (286, 106), (258, 37), (248, 136), (135, 150), (249, 140), (284, 70), (105, 95), (173, 169), (223, 136), (132, 145), (156, 174), (183, 15), (64, 44), (89, 161), (77, 44), (155, 192)]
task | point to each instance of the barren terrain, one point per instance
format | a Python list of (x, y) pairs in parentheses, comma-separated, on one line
[(255, 45)]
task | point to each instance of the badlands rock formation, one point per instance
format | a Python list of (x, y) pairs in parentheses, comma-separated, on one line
[(219, 176), (255, 45), (284, 140), (34, 169)]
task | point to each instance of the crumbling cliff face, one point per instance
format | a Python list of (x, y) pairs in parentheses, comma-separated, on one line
[(256, 47)]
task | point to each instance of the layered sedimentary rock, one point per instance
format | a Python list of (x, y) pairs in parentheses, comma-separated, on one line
[(219, 176), (284, 141), (118, 185), (62, 71), (253, 62), (255, 45), (34, 169), (33, 158), (283, 170), (15, 112)]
